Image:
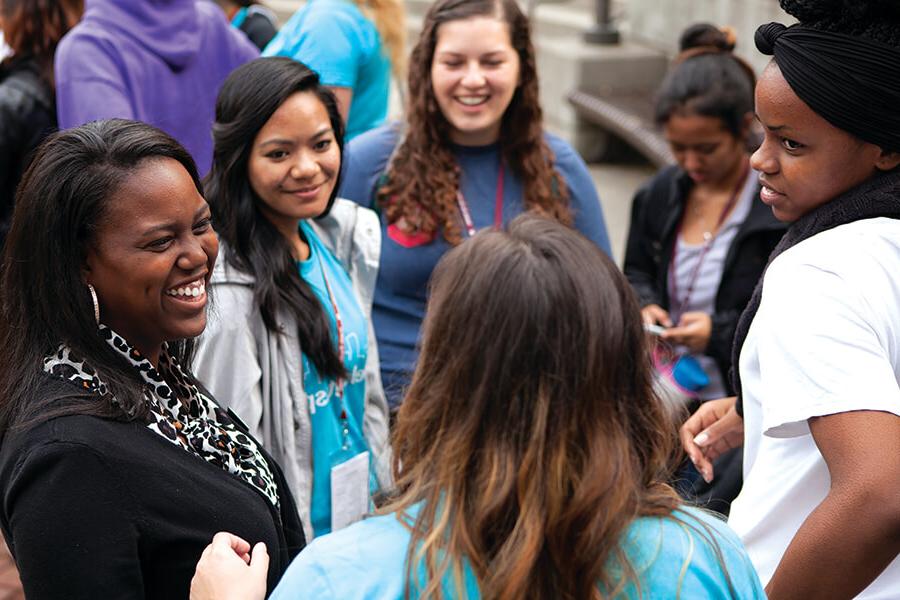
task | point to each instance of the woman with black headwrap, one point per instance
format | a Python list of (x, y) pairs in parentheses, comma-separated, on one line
[(818, 347)]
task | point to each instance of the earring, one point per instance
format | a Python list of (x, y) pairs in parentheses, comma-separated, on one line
[(96, 303)]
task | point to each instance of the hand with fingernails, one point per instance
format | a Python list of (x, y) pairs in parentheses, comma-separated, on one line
[(714, 429), (229, 570)]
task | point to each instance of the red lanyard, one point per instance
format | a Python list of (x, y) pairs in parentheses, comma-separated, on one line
[(707, 244), (498, 206)]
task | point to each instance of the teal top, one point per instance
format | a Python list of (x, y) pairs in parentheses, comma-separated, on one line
[(330, 446), (337, 41), (674, 557)]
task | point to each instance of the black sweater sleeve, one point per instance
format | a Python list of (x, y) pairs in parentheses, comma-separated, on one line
[(63, 500), (640, 267)]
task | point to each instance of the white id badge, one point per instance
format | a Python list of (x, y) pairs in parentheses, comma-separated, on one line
[(349, 491)]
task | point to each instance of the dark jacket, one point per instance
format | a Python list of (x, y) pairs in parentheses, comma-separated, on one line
[(95, 508), (259, 25), (27, 116), (655, 213)]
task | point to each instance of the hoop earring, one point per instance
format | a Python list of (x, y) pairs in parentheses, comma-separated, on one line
[(96, 303)]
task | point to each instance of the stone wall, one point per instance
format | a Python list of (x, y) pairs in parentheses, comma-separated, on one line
[(658, 23)]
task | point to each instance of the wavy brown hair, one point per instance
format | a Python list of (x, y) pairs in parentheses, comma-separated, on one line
[(423, 177), (530, 434), (33, 28)]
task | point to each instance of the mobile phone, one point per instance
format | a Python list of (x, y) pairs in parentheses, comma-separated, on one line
[(654, 329)]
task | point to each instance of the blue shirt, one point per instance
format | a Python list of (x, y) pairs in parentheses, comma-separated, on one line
[(323, 402), (673, 557), (335, 39), (403, 274)]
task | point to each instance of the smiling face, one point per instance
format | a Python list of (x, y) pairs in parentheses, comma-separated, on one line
[(294, 162), (152, 256), (474, 74), (804, 160), (704, 147)]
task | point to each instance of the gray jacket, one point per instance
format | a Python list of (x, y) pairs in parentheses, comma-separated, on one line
[(258, 373)]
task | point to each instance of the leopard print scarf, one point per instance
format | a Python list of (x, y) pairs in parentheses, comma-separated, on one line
[(183, 416)]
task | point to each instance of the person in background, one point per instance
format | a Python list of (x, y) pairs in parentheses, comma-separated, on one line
[(289, 346), (700, 235), (156, 61), (353, 45), (256, 21), (32, 29), (472, 154), (819, 361), (115, 462), (529, 453)]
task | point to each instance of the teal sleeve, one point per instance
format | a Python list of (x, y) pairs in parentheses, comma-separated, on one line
[(329, 43), (304, 579)]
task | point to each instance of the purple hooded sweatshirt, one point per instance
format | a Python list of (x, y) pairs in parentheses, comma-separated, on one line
[(157, 61)]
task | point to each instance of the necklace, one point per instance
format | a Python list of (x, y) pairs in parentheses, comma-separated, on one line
[(708, 237)]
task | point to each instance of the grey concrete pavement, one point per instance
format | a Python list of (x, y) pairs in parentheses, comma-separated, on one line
[(616, 185)]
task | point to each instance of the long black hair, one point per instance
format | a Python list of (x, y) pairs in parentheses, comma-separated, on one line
[(707, 80), (247, 100), (44, 301)]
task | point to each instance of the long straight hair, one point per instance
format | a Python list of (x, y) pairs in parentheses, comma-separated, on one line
[(248, 99), (43, 301), (424, 178), (531, 434)]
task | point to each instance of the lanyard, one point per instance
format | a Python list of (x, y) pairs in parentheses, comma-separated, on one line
[(339, 325), (498, 206), (707, 244)]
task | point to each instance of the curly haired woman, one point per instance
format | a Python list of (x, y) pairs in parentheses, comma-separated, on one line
[(473, 154)]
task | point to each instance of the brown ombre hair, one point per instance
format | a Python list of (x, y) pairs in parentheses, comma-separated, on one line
[(530, 434), (423, 178)]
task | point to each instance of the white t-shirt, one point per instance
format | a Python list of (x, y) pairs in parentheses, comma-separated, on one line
[(826, 340)]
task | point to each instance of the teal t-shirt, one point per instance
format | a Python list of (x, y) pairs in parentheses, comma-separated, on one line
[(673, 557), (325, 405), (336, 40)]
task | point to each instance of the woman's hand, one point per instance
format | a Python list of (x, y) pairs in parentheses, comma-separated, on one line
[(714, 429), (229, 570), (654, 314), (693, 330)]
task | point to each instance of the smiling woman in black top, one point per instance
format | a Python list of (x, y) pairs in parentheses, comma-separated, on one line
[(116, 465)]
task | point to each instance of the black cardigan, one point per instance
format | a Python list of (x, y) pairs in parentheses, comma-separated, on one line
[(655, 213), (94, 508), (27, 116)]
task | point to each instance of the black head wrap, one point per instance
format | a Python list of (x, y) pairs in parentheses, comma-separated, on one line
[(850, 81)]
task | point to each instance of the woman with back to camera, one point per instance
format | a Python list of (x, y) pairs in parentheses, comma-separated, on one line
[(529, 453), (472, 154), (354, 46), (32, 29), (289, 345), (115, 462), (700, 235), (819, 377)]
